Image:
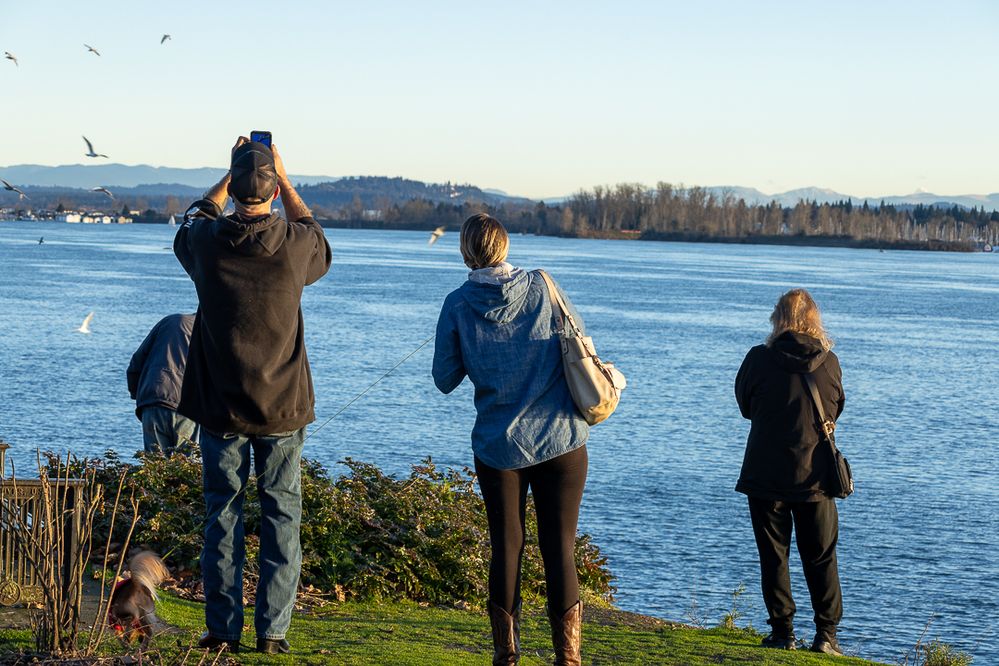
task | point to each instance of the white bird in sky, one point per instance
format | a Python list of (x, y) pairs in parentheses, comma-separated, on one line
[(92, 49), (10, 56), (90, 149), (104, 190), (435, 234), (85, 326), (165, 37), (10, 188)]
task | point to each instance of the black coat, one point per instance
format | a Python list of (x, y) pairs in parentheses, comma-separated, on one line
[(156, 371), (247, 371), (783, 458)]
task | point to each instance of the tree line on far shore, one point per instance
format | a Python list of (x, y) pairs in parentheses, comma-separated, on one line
[(668, 212)]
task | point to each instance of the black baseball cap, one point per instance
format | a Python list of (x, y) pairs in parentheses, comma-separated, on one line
[(254, 178)]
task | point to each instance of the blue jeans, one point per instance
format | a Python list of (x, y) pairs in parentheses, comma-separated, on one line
[(277, 462), (163, 430)]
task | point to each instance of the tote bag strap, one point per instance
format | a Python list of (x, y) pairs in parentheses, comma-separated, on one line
[(558, 305), (809, 380)]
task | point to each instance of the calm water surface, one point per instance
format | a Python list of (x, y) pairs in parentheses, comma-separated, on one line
[(916, 333)]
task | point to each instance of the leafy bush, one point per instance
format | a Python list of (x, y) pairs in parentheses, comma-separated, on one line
[(365, 535), (936, 653)]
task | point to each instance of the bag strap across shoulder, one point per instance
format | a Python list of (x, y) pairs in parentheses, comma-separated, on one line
[(559, 307), (809, 380)]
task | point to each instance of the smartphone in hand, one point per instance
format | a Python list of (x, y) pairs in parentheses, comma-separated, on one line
[(261, 137)]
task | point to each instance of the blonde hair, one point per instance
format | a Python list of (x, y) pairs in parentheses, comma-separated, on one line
[(484, 242), (796, 311)]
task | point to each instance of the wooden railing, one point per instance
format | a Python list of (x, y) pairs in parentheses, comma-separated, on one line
[(24, 510)]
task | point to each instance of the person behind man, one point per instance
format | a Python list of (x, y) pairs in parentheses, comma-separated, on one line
[(155, 375), (248, 383), (786, 469), (498, 329)]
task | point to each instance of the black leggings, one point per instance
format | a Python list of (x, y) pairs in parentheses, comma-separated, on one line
[(557, 486)]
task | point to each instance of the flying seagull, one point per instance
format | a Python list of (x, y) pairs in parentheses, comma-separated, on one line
[(435, 234), (85, 326), (165, 37), (104, 190), (90, 149), (92, 49), (10, 56), (10, 188)]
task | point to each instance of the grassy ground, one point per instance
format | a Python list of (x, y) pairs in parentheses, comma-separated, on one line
[(408, 635)]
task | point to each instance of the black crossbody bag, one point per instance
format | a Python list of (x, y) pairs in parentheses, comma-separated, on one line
[(841, 480)]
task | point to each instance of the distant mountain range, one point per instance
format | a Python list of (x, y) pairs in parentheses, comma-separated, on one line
[(821, 195), (146, 180), (71, 185), (123, 175)]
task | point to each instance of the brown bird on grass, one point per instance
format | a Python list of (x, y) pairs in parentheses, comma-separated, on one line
[(132, 613)]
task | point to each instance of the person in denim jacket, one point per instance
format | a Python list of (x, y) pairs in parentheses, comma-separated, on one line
[(498, 330)]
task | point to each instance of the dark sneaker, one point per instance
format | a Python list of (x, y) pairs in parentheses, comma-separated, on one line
[(209, 642), (826, 645), (780, 641), (273, 646)]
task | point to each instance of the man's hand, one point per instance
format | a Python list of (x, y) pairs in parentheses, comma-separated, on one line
[(279, 166), (294, 208), (239, 142), (219, 192)]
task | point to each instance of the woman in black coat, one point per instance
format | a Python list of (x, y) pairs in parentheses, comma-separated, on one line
[(785, 470)]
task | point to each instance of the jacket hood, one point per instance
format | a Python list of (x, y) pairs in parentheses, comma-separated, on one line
[(498, 300), (797, 352), (263, 237)]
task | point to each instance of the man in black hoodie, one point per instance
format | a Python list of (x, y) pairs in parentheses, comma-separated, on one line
[(248, 382)]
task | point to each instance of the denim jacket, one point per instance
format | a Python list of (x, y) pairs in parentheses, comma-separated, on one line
[(502, 335)]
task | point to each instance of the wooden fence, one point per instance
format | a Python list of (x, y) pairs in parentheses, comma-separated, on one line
[(24, 510)]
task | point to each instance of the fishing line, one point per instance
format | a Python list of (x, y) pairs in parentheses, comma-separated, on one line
[(371, 386)]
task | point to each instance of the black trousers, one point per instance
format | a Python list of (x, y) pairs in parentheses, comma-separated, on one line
[(557, 486), (816, 527)]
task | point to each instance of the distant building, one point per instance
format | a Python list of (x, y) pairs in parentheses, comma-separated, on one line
[(68, 216), (372, 214)]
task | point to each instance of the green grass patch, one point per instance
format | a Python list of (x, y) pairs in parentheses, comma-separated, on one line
[(405, 633)]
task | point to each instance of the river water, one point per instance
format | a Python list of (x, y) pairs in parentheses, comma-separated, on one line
[(916, 334)]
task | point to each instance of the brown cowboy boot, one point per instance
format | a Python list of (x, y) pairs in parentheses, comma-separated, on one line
[(567, 634), (506, 634)]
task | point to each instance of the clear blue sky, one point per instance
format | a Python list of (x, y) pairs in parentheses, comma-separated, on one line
[(536, 98)]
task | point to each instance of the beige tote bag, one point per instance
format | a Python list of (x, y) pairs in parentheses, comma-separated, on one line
[(595, 385)]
